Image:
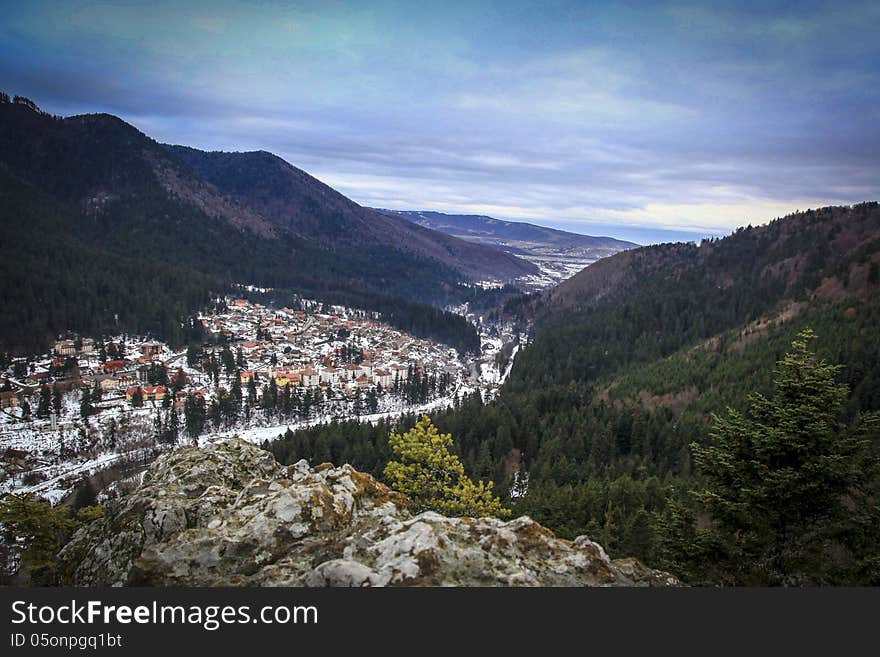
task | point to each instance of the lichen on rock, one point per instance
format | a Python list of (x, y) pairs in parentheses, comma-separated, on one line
[(230, 515)]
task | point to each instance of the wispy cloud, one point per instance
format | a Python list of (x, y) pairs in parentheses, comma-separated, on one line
[(673, 116)]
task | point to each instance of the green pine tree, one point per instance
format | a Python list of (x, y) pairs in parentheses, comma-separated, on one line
[(780, 479), (38, 529)]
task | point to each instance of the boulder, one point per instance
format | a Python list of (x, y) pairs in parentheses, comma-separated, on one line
[(230, 515)]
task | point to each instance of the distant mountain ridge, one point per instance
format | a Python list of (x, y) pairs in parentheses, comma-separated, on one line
[(558, 253), (485, 229)]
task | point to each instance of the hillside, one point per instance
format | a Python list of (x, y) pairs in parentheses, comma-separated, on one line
[(292, 199), (648, 302), (106, 231), (558, 253)]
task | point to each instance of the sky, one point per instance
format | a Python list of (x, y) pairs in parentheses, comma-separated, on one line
[(645, 121)]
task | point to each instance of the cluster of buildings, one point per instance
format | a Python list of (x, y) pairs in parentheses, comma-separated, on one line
[(342, 349), (337, 352), (82, 363)]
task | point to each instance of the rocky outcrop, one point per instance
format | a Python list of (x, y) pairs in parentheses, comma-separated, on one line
[(230, 515)]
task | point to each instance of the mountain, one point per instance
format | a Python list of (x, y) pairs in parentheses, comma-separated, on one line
[(558, 253), (294, 200), (106, 230), (648, 302), (232, 515)]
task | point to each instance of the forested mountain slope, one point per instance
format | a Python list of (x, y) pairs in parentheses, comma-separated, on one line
[(645, 303), (292, 199), (104, 230)]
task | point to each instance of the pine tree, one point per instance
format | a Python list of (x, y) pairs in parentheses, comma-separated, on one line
[(372, 401), (85, 494), (194, 413), (111, 434), (193, 355), (85, 404), (44, 402), (779, 478), (38, 528), (178, 381), (433, 478), (158, 433), (172, 427), (137, 398), (252, 391), (56, 400)]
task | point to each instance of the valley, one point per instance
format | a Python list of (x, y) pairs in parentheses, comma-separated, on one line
[(558, 254)]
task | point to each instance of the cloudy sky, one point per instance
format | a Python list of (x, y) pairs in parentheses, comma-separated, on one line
[(648, 121)]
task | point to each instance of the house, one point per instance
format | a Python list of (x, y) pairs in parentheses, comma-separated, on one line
[(154, 393), (400, 372), (352, 372), (65, 348), (330, 375), (150, 349), (106, 382), (38, 376), (150, 393), (383, 378), (125, 379), (310, 377)]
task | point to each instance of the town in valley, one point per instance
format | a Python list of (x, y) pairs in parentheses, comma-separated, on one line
[(96, 411)]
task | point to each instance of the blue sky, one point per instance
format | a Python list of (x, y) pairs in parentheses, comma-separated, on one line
[(648, 121)]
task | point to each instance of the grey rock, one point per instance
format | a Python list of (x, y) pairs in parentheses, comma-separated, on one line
[(230, 515)]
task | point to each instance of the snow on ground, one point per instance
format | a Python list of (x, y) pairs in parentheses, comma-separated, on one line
[(553, 270), (258, 435), (56, 486), (58, 475), (509, 365)]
